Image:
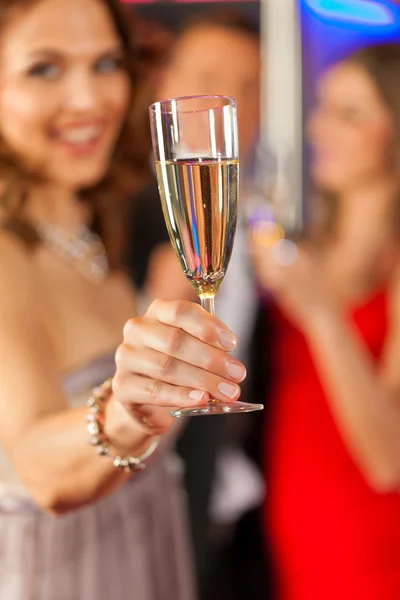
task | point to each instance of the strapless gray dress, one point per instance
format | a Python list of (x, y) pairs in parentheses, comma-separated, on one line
[(130, 546)]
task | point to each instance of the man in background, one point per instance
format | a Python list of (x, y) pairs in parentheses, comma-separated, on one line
[(216, 53)]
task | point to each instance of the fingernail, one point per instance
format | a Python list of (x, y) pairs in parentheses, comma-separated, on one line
[(227, 340), (236, 371), (228, 390), (198, 395)]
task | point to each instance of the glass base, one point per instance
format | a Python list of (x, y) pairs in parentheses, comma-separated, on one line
[(216, 407)]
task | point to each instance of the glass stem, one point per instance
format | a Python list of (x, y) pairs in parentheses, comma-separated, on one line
[(207, 302)]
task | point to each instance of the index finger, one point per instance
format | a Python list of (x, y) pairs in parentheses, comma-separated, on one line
[(196, 321)]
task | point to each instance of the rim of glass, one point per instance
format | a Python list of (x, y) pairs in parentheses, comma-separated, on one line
[(230, 102)]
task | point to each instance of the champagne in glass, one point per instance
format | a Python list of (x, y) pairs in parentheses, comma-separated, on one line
[(196, 156), (199, 204)]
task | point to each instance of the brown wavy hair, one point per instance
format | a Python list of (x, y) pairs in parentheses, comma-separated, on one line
[(129, 164)]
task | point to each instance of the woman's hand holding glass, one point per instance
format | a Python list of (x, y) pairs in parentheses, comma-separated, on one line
[(177, 355), (296, 277)]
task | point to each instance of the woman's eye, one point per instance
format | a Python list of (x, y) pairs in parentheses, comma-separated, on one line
[(108, 65), (45, 71)]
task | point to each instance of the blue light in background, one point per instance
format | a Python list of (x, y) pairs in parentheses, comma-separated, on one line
[(353, 11)]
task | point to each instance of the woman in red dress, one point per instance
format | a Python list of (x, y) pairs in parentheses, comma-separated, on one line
[(332, 515)]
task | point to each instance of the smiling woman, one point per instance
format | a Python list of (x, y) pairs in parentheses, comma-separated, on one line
[(75, 135), (332, 457), (69, 82)]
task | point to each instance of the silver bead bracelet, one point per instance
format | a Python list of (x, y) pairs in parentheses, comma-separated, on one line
[(97, 438)]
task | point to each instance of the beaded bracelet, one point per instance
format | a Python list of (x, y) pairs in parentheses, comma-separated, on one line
[(95, 418)]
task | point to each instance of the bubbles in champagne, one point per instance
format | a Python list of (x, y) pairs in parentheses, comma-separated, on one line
[(199, 199)]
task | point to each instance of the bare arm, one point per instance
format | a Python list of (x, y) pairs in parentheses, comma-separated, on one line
[(164, 357), (364, 399), (47, 442)]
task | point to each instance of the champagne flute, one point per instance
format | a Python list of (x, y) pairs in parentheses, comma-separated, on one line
[(195, 146)]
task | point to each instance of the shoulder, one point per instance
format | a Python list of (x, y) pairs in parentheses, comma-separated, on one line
[(25, 311), (18, 272), (13, 253)]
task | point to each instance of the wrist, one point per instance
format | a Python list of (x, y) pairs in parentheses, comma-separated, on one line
[(126, 435), (121, 451)]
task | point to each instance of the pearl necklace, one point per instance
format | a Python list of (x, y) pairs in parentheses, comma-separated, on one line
[(83, 249)]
